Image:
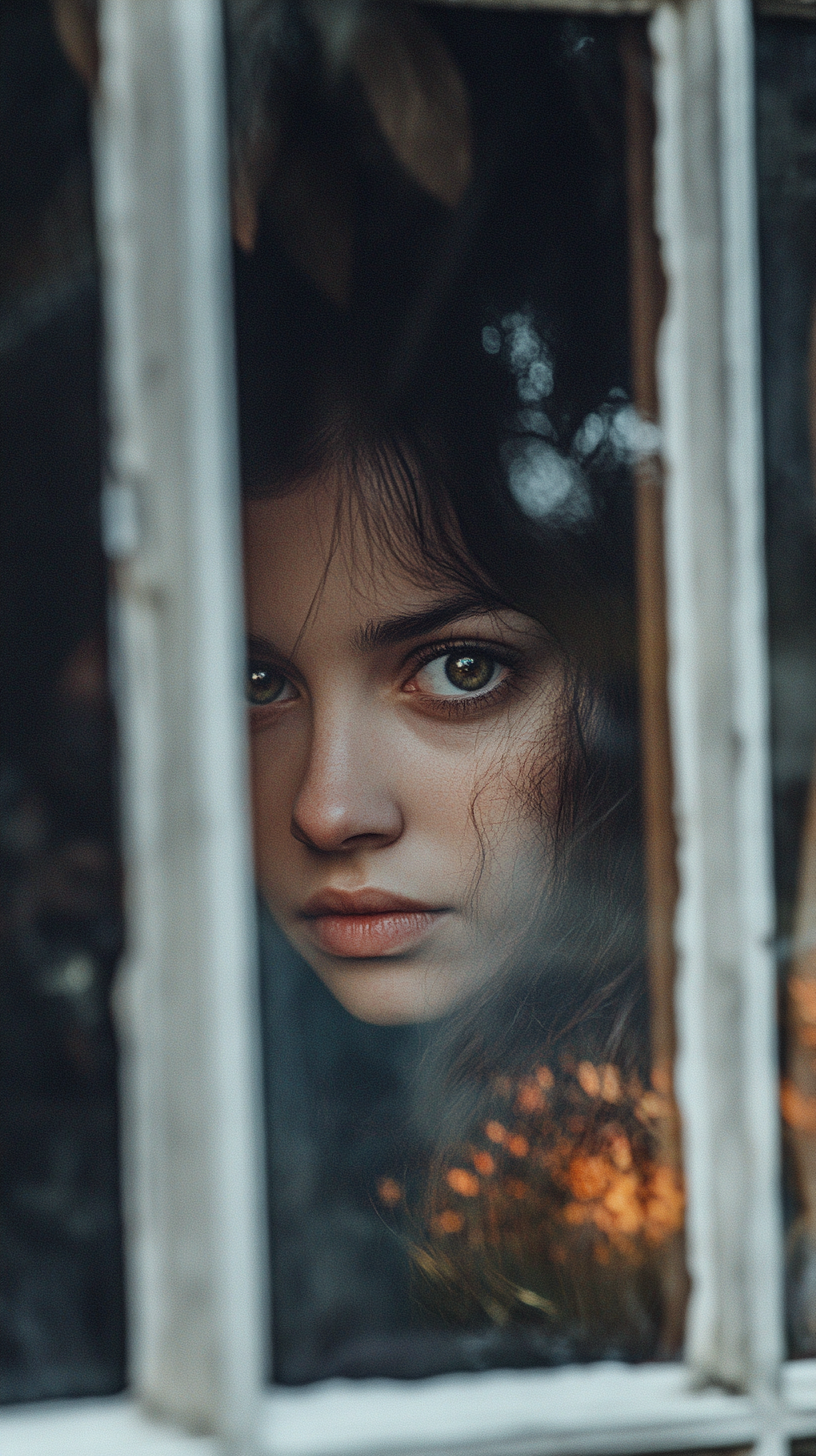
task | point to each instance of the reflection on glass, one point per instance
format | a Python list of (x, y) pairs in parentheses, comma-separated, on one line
[(61, 1297), (786, 101), (472, 1139)]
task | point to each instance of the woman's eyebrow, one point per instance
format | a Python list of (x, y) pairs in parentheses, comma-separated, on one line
[(392, 631), (263, 647)]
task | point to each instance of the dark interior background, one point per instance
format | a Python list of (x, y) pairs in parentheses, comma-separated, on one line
[(786, 153), (61, 1287)]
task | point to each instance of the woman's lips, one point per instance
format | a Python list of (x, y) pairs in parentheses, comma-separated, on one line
[(360, 924), (360, 936)]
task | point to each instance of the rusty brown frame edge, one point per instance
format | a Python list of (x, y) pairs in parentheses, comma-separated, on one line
[(785, 9)]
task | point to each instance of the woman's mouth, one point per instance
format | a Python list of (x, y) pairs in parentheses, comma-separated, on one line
[(361, 924)]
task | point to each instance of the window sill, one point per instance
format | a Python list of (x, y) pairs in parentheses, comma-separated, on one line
[(600, 1409), (110, 1427)]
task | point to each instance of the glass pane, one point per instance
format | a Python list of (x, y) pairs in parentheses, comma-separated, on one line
[(453, 509), (61, 1303), (786, 102)]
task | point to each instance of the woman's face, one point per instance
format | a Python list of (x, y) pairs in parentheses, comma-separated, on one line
[(397, 731)]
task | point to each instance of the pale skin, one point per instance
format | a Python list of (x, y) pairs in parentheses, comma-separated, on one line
[(394, 725)]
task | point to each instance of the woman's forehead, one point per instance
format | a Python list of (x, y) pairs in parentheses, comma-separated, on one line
[(306, 568), (315, 533), (307, 582), (322, 538)]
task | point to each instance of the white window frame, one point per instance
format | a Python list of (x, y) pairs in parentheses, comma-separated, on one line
[(187, 999)]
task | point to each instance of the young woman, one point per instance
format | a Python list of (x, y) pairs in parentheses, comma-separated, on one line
[(464, 1143), (408, 738)]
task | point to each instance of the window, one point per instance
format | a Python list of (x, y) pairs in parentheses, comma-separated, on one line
[(188, 1010), (472, 1145), (782, 162)]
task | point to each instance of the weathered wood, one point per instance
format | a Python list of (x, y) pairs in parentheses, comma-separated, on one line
[(186, 995)]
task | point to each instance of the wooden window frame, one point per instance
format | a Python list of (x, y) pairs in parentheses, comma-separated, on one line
[(186, 999)]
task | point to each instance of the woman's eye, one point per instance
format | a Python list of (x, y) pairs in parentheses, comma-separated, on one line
[(466, 671), (266, 684)]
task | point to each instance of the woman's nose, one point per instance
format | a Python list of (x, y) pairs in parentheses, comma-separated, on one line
[(345, 801)]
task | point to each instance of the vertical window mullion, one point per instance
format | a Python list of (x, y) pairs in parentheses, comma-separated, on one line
[(187, 992), (737, 107), (709, 372)]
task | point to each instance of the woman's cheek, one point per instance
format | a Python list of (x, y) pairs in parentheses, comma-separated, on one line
[(437, 783), (273, 782), (455, 795)]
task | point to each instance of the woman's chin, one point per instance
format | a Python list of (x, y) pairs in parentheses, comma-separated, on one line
[(386, 992)]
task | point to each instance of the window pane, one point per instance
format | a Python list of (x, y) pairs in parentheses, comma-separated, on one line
[(453, 508), (61, 1309), (786, 101)]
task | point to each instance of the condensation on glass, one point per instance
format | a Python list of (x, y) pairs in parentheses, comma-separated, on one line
[(61, 1307), (447, 294), (786, 148)]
